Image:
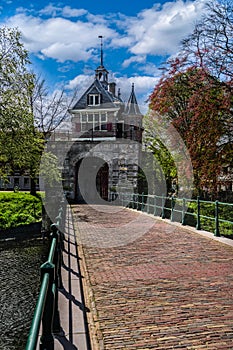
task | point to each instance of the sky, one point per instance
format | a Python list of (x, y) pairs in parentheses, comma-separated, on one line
[(138, 36)]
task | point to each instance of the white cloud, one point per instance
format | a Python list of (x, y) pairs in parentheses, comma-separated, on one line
[(80, 83), (143, 86), (60, 38), (159, 30), (122, 41), (133, 59), (153, 31), (67, 11)]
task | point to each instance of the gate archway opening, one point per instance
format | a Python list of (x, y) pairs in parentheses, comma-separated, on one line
[(91, 180)]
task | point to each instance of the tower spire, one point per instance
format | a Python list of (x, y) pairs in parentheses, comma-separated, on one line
[(101, 51), (101, 72), (132, 107)]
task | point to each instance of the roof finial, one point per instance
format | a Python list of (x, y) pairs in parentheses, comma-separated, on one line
[(132, 87), (101, 50)]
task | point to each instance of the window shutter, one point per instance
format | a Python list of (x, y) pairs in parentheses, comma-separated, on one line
[(109, 126)]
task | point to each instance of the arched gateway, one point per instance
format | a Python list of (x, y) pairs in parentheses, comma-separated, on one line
[(91, 180)]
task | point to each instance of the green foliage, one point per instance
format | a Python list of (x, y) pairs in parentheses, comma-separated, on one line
[(49, 170), (21, 145), (18, 140), (18, 209), (156, 140), (207, 213)]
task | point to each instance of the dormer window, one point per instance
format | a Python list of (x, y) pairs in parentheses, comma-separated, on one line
[(93, 100)]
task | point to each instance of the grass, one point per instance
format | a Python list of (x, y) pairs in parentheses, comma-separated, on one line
[(19, 209)]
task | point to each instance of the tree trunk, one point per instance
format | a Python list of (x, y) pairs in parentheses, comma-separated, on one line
[(33, 186)]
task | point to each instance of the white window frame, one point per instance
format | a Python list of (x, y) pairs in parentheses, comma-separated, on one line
[(93, 99), (97, 120)]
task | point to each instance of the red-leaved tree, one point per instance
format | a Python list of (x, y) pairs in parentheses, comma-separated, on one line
[(199, 107)]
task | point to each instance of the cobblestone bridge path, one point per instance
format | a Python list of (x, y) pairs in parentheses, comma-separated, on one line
[(153, 285)]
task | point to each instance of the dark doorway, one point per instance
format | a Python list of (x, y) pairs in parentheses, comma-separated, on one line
[(119, 130), (102, 181), (91, 180)]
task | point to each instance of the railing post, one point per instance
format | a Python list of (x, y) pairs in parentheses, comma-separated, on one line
[(148, 204), (183, 211), (172, 209), (47, 339), (198, 226), (142, 207), (163, 207), (58, 255), (155, 206), (57, 278), (137, 201), (217, 232)]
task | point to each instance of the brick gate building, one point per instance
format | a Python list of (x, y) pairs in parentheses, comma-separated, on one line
[(105, 142)]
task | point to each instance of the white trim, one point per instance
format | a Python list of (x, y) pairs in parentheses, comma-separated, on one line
[(74, 111), (94, 139)]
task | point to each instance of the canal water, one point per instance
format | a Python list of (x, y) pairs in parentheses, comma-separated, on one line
[(19, 288)]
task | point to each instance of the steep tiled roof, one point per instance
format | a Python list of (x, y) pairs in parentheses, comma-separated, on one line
[(97, 88)]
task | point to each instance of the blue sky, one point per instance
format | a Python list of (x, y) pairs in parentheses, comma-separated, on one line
[(62, 38)]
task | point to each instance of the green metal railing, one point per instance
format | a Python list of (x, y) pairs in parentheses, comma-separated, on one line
[(46, 312), (216, 217)]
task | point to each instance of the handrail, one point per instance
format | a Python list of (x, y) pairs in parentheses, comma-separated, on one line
[(34, 331), (46, 311), (181, 210)]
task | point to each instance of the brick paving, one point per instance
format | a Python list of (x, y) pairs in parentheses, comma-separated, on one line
[(170, 288)]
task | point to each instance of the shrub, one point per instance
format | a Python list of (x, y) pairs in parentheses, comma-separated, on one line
[(18, 208)]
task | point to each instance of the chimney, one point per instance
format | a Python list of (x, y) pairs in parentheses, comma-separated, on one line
[(112, 88)]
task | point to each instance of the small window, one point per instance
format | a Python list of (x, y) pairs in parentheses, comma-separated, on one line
[(16, 181), (103, 117), (103, 121), (94, 99), (90, 118), (84, 118), (26, 182)]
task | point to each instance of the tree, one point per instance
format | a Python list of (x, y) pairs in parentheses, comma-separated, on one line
[(27, 115), (195, 93), (49, 110), (156, 144), (16, 85), (210, 45), (197, 106)]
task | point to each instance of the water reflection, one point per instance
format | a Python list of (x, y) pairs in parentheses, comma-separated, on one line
[(19, 287)]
